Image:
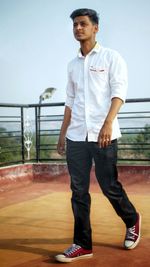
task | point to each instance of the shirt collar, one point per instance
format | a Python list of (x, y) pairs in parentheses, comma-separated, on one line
[(95, 49)]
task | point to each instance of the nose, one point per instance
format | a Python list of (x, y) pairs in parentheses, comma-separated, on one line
[(78, 26)]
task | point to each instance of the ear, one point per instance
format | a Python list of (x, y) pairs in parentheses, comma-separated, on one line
[(96, 26)]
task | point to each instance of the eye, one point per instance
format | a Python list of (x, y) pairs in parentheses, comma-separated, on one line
[(83, 24), (75, 25)]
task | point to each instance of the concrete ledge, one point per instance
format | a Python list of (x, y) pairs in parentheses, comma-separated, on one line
[(48, 172), (20, 175), (134, 174), (15, 176), (24, 174)]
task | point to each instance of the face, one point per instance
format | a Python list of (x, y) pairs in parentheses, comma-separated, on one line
[(84, 29)]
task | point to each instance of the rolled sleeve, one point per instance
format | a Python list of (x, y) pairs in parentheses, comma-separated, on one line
[(118, 77), (70, 94)]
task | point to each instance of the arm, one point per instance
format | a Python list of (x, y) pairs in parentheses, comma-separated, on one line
[(104, 137), (67, 114), (118, 83), (65, 124)]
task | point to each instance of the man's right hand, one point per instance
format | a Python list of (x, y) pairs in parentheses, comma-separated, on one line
[(61, 145), (62, 137)]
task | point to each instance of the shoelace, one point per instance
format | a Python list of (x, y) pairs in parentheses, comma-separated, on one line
[(131, 233), (71, 250)]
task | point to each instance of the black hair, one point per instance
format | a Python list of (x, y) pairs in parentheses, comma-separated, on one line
[(92, 14)]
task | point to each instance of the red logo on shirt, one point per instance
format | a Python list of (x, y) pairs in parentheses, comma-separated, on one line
[(96, 69)]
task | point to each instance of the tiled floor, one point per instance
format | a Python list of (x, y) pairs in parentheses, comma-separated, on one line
[(36, 223)]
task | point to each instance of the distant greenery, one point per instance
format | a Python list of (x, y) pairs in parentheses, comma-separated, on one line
[(48, 145), (143, 141), (131, 146), (9, 146), (135, 145)]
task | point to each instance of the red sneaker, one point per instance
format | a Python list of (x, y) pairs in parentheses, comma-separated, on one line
[(133, 234), (73, 253)]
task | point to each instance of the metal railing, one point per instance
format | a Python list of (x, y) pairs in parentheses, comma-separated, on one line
[(29, 133)]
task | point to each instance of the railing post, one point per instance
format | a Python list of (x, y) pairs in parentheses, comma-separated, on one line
[(37, 133), (22, 136)]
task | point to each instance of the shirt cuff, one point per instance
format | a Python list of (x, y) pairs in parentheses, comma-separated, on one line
[(69, 102)]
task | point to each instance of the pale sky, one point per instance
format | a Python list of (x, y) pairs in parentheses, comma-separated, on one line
[(36, 44)]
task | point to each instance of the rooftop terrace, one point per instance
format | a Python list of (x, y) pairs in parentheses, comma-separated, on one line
[(35, 212), (36, 220)]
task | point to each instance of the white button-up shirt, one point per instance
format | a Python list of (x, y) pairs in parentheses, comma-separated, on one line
[(92, 82)]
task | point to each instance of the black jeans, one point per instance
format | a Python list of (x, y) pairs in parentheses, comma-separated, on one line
[(80, 156)]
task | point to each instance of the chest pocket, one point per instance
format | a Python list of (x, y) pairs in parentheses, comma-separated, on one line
[(99, 73)]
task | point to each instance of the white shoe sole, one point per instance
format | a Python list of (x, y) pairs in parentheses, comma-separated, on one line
[(62, 258), (137, 241)]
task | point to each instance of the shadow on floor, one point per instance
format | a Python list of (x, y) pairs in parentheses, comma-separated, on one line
[(25, 245)]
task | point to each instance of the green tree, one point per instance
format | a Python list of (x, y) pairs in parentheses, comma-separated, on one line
[(143, 141), (10, 146)]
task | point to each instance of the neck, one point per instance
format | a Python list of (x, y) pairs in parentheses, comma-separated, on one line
[(87, 46)]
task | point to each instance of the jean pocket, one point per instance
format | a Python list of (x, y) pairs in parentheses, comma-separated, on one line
[(107, 153)]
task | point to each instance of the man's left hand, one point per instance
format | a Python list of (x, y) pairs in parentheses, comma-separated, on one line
[(104, 138)]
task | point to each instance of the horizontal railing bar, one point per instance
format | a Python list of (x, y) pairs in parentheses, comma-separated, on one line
[(129, 100), (130, 128), (134, 117), (50, 120), (134, 112), (58, 104), (133, 148), (10, 132), (137, 100), (49, 147), (7, 137), (50, 134), (130, 159), (9, 117), (119, 148), (12, 105), (10, 121), (10, 146), (53, 116), (142, 144), (135, 133), (51, 130), (53, 159)]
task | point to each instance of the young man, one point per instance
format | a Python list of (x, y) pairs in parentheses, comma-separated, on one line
[(97, 84)]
